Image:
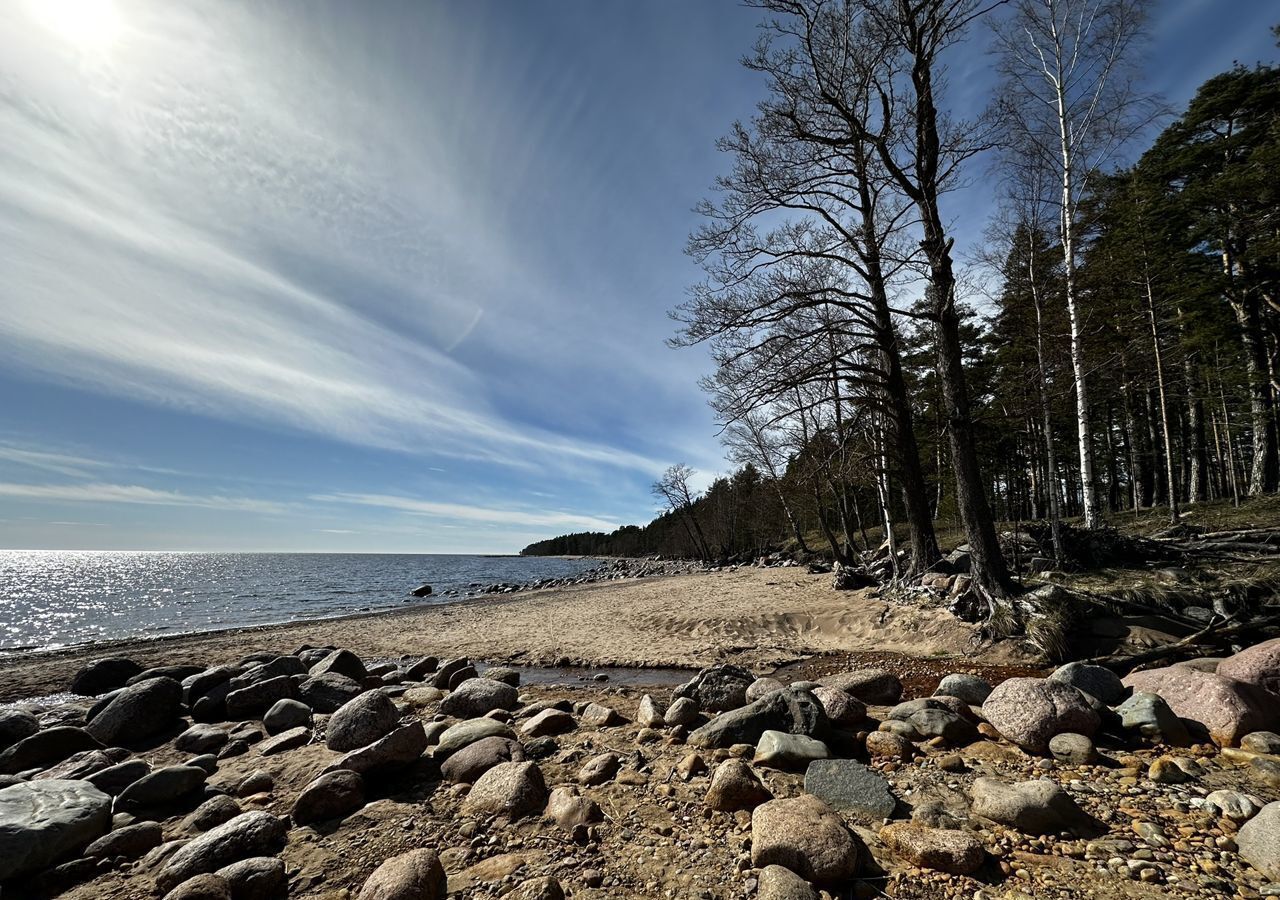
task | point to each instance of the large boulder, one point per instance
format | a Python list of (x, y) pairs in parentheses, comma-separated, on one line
[(129, 842), (792, 711), (1259, 841), (103, 675), (471, 762), (256, 878), (875, 686), (718, 688), (1033, 807), (806, 836), (342, 662), (1258, 665), (1227, 708), (254, 699), (956, 852), (1030, 711), (850, 787), (477, 696), (328, 693), (467, 732), (138, 712), (46, 748), (513, 790), (16, 724), (285, 714), (41, 822), (735, 786), (416, 875), (402, 747), (361, 721), (1097, 681), (255, 833), (162, 787), (331, 796)]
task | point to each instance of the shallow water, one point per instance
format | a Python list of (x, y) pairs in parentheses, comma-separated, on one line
[(51, 599)]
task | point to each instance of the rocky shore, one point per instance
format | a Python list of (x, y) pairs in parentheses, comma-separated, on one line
[(619, 569), (321, 774)]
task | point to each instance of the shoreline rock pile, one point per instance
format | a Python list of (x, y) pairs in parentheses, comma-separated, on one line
[(609, 570), (318, 774)]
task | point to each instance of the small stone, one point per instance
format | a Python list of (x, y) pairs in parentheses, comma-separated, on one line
[(806, 836), (955, 852), (416, 875), (850, 787), (735, 786), (1072, 749)]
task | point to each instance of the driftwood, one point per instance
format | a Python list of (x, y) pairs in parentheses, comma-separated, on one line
[(1217, 630)]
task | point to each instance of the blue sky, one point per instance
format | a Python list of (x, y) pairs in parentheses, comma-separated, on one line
[(377, 276)]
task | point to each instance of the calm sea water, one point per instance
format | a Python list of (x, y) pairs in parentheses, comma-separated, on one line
[(58, 598)]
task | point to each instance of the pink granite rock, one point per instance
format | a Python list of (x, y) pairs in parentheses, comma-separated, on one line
[(1259, 664), (1229, 709)]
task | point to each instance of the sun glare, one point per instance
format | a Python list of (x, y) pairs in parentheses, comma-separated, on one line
[(88, 24)]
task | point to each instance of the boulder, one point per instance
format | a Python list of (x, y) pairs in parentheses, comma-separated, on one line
[(682, 711), (956, 852), (648, 713), (969, 688), (46, 748), (331, 796), (266, 671), (129, 842), (806, 836), (81, 765), (285, 714), (548, 722), (341, 662), (1097, 681), (474, 760), (762, 686), (416, 875), (285, 740), (1257, 665), (504, 674), (477, 696), (1258, 841), (513, 790), (401, 748), (718, 688), (1150, 716), (1030, 711), (361, 721), (600, 768), (249, 834), (162, 787), (1033, 807), (874, 686), (1261, 742), (791, 711), (201, 684), (16, 724), (212, 813), (851, 787), (444, 674), (1227, 708), (841, 708), (202, 739), (780, 883), (946, 724), (114, 779), (455, 737), (735, 786), (254, 699), (256, 878), (596, 715), (103, 675), (779, 750), (43, 822), (569, 809), (329, 692), (138, 712), (1072, 749), (887, 745), (206, 886)]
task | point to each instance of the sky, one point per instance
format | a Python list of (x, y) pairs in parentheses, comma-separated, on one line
[(381, 276)]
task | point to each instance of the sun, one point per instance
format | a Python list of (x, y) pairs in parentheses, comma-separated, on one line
[(91, 25)]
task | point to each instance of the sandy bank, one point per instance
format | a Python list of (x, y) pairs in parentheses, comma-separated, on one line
[(760, 618)]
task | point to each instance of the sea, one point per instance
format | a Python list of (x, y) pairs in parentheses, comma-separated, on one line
[(55, 599)]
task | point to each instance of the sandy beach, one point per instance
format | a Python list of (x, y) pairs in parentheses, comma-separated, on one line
[(759, 618)]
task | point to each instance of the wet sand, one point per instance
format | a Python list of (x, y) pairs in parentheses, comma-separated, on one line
[(759, 618)]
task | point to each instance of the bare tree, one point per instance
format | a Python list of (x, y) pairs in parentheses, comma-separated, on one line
[(674, 489), (753, 439), (1069, 98)]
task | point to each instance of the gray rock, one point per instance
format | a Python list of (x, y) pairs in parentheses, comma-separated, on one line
[(513, 790), (103, 675), (285, 714), (648, 713), (162, 787), (1097, 681), (841, 708), (682, 711), (596, 715), (718, 688), (329, 692), (138, 712), (212, 813), (1233, 805), (474, 760), (1258, 841), (851, 787), (1072, 749), (943, 723), (259, 781), (285, 740), (946, 850), (129, 842), (969, 688), (468, 732), (196, 686), (42, 822), (569, 809), (790, 711), (46, 748), (331, 796), (206, 886), (477, 696), (254, 699), (735, 786), (1030, 711), (202, 739), (600, 768), (253, 833), (806, 836), (780, 750), (274, 668), (341, 662), (504, 674), (416, 875), (548, 722), (1261, 742), (114, 779), (780, 883), (544, 888), (444, 674), (401, 748), (875, 686), (762, 686), (256, 878), (1150, 716), (361, 721), (81, 765), (16, 724), (1033, 807)]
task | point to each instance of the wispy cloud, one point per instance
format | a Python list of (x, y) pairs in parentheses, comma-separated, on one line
[(137, 494), (479, 514)]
